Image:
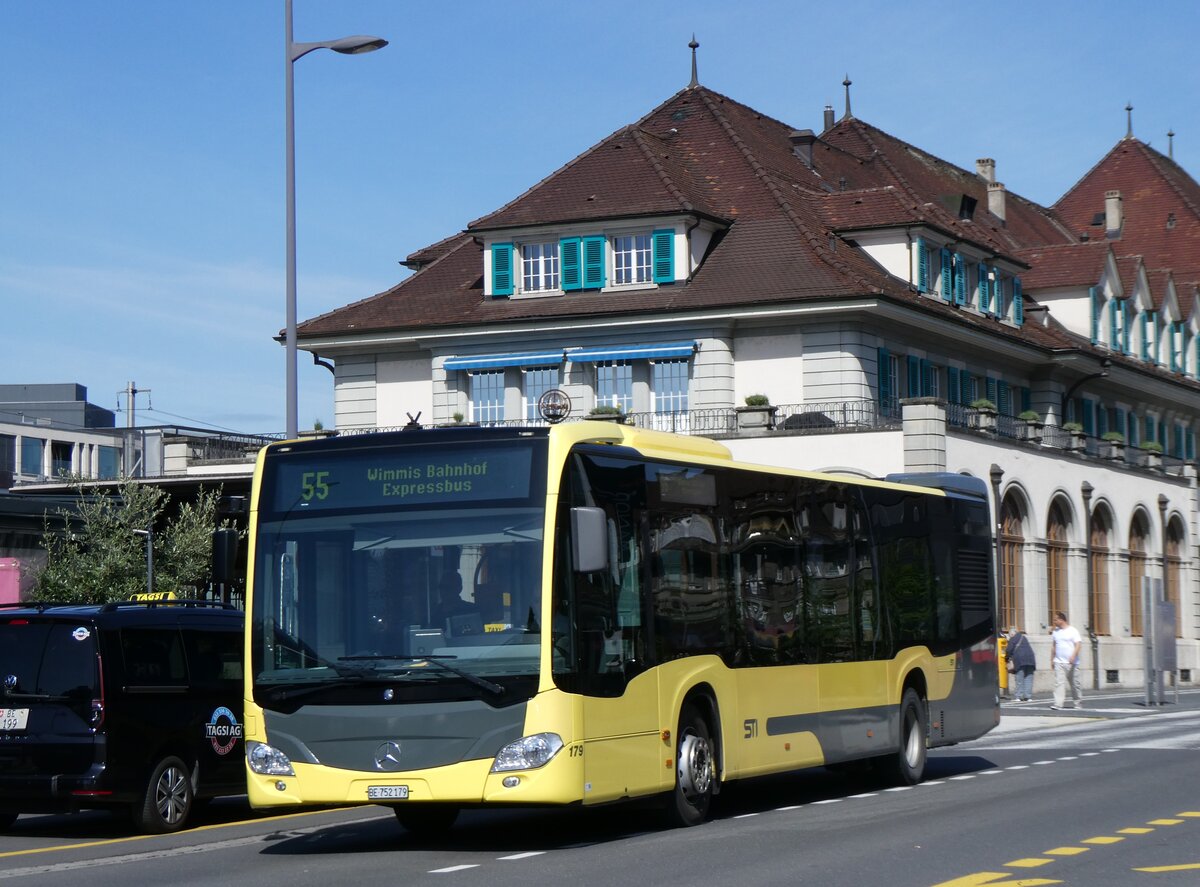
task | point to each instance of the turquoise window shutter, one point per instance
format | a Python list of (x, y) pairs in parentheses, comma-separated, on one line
[(664, 256), (571, 254), (926, 378), (1149, 428), (502, 269), (998, 303), (1094, 306), (883, 373), (1089, 417), (922, 267), (1101, 421), (1018, 303), (985, 290), (1114, 319), (960, 280), (1003, 398), (914, 376), (952, 390), (1026, 399), (1177, 446), (991, 389), (1190, 452), (947, 275), (1125, 326), (964, 387), (593, 262), (1146, 315)]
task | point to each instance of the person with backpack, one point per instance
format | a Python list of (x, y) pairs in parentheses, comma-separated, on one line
[(1022, 663)]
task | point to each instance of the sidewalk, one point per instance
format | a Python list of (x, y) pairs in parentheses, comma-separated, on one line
[(1101, 703)]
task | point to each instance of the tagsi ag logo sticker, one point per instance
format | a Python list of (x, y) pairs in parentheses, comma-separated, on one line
[(81, 634), (223, 731)]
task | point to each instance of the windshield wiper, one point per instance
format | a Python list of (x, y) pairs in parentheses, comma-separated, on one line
[(437, 659)]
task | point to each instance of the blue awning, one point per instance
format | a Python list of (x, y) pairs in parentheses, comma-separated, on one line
[(497, 361), (632, 352)]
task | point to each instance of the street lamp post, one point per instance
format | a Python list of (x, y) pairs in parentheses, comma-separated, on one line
[(292, 51), (148, 533)]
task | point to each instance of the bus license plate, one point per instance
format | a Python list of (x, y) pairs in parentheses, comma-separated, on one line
[(13, 719), (387, 792)]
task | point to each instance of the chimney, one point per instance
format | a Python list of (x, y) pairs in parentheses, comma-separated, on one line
[(1113, 218), (802, 145), (828, 118), (985, 168), (995, 192)]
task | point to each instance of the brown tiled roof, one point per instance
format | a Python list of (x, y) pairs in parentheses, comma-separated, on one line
[(1153, 190), (1063, 265)]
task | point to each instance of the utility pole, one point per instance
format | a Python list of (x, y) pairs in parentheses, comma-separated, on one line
[(131, 392)]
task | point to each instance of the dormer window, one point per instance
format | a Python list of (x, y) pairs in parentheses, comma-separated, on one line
[(590, 262), (539, 267)]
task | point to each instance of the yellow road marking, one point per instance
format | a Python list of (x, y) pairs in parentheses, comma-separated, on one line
[(1135, 831), (1191, 814), (1101, 840), (980, 879), (1067, 851), (1164, 822), (1030, 862), (131, 838), (1170, 868)]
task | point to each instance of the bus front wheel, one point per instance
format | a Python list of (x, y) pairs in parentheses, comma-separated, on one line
[(695, 771), (907, 765)]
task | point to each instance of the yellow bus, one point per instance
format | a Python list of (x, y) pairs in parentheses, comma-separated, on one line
[(585, 613)]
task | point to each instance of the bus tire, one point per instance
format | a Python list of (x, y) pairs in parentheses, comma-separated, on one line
[(168, 799), (695, 770), (426, 819), (907, 765)]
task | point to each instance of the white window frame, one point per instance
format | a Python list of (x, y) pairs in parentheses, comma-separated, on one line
[(635, 260), (540, 266), (485, 397), (536, 381)]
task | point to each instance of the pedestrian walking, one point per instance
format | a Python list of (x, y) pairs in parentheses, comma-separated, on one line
[(1022, 664), (1067, 645)]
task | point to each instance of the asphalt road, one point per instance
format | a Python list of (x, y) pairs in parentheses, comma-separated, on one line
[(1106, 797)]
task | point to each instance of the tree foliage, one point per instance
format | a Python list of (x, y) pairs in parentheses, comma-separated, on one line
[(102, 555)]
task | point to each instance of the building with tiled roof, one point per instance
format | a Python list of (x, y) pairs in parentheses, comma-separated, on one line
[(900, 312)]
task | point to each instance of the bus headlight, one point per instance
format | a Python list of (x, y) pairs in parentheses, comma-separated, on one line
[(268, 760), (528, 752)]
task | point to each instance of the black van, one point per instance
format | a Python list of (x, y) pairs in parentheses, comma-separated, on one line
[(133, 706)]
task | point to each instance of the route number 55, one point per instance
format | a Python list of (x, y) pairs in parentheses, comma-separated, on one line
[(314, 485)]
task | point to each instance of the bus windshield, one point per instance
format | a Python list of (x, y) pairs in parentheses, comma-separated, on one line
[(414, 565)]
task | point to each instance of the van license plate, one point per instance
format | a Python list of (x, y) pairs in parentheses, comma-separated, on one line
[(13, 719), (387, 792)]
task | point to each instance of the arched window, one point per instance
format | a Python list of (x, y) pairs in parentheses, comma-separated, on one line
[(1098, 605), (1175, 569), (1139, 535), (1012, 543), (1056, 561)]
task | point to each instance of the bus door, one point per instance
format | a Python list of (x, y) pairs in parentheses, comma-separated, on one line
[(601, 639)]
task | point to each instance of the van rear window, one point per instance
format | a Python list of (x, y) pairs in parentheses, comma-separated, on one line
[(51, 658)]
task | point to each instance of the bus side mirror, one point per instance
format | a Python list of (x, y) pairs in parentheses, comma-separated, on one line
[(589, 539), (224, 556)]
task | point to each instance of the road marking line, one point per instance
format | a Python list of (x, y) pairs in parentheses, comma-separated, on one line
[(791, 807), (1070, 758), (933, 782), (1089, 754), (1106, 839), (1067, 851), (991, 772), (1042, 763), (980, 879), (1164, 822), (1190, 814), (745, 815), (1031, 862), (1134, 831), (900, 788), (1018, 767), (961, 778), (1171, 868), (200, 828), (829, 801), (866, 795), (453, 868), (524, 855)]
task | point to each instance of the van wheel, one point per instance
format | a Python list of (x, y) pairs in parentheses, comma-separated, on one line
[(907, 766), (168, 800), (427, 819), (695, 771)]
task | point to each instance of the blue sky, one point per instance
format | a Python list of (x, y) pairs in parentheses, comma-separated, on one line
[(142, 146)]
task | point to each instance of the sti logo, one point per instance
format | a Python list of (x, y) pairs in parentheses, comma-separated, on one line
[(223, 731)]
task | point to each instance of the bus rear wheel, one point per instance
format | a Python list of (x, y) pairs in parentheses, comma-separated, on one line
[(907, 765), (427, 819), (695, 771)]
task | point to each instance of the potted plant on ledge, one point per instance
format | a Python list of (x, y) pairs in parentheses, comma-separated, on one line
[(1031, 426), (1076, 439), (1153, 450), (757, 413), (982, 416), (1114, 445)]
